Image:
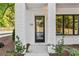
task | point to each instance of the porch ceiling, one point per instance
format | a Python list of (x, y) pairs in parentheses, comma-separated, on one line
[(35, 5)]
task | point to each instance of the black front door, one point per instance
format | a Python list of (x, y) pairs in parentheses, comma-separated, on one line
[(39, 28)]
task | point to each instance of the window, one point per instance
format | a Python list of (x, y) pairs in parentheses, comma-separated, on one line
[(59, 24), (39, 28), (67, 24), (75, 24)]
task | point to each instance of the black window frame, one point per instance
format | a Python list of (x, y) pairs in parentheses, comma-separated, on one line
[(73, 23)]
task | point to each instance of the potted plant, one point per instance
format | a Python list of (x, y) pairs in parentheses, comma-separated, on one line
[(27, 47)]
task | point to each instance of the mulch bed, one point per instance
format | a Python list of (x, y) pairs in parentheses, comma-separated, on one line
[(8, 45)]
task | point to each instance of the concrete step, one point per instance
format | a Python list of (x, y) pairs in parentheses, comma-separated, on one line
[(36, 54), (38, 50)]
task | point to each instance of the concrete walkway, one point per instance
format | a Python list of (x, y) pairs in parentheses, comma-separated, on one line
[(38, 50)]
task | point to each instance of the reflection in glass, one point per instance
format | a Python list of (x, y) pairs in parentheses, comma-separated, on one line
[(39, 28), (76, 24), (68, 25), (59, 24)]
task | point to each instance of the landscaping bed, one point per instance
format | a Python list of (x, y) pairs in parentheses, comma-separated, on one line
[(69, 50)]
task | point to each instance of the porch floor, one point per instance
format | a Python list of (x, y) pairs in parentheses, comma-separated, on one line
[(38, 50)]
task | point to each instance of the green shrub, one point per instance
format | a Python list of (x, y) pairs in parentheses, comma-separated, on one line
[(74, 52), (60, 47), (19, 47)]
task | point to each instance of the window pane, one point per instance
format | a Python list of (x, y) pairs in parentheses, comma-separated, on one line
[(40, 37), (76, 24), (68, 24), (59, 24)]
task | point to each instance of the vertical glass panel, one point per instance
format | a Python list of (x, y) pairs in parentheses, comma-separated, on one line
[(68, 24), (59, 22), (40, 37), (75, 24)]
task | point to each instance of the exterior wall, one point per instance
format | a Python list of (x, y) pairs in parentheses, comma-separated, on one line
[(30, 23), (69, 39), (69, 9), (20, 21), (25, 24), (50, 27)]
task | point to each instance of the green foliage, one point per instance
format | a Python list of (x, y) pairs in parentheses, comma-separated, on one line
[(68, 21), (74, 52), (59, 21), (7, 13), (60, 47), (19, 49), (40, 24), (39, 21)]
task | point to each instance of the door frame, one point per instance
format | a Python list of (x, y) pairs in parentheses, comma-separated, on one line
[(40, 41)]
